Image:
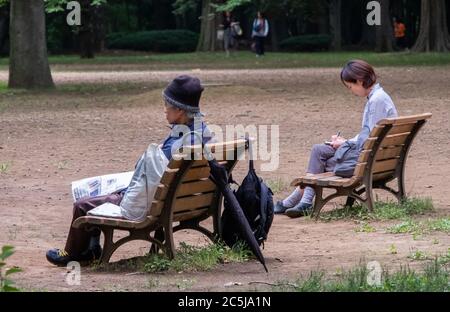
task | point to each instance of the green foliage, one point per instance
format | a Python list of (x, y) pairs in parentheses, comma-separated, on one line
[(382, 211), (156, 41), (52, 6), (278, 185), (365, 227), (183, 6), (247, 60), (419, 228), (4, 167), (419, 255), (230, 5), (434, 278), (190, 258), (5, 283), (306, 43)]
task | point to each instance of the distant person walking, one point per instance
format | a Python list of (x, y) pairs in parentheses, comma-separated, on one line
[(259, 33), (229, 32), (400, 33)]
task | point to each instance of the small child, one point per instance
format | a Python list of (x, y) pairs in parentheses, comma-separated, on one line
[(360, 78)]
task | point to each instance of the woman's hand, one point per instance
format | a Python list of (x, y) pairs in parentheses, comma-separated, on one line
[(337, 141)]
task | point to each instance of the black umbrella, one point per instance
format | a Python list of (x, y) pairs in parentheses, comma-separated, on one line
[(220, 177)]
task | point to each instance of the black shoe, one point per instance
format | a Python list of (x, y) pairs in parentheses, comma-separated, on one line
[(58, 257), (279, 208), (90, 254), (299, 210)]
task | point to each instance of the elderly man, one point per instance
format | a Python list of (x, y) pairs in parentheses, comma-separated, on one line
[(181, 99)]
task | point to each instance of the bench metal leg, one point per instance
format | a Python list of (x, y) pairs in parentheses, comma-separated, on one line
[(194, 225), (110, 247), (351, 200), (369, 197), (320, 201), (169, 244), (401, 186), (159, 235)]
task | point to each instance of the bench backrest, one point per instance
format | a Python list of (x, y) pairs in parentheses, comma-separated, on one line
[(186, 189), (386, 149)]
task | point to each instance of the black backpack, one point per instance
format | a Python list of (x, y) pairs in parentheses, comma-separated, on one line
[(255, 198)]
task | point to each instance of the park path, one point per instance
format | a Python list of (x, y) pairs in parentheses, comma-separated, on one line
[(212, 76)]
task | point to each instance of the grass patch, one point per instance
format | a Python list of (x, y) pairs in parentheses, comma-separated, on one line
[(382, 210), (444, 259), (6, 284), (418, 227), (434, 278), (419, 255), (247, 60), (4, 167), (3, 86), (105, 87), (192, 259), (278, 185), (365, 227), (187, 259)]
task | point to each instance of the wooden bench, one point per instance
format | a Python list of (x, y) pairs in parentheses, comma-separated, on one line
[(382, 160), (185, 196)]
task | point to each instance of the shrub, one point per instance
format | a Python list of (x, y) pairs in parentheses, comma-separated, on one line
[(155, 41), (5, 283), (306, 43)]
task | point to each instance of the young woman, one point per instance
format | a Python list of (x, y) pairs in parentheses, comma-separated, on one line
[(360, 78), (259, 33)]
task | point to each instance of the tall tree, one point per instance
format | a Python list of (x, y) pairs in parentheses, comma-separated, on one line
[(335, 13), (384, 32), (207, 40), (28, 63), (433, 34)]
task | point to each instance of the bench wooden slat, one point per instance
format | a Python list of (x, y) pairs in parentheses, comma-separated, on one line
[(383, 153), (359, 170), (389, 152), (384, 165), (383, 175), (184, 203), (187, 215), (200, 186), (188, 188), (328, 180), (193, 202), (395, 140), (192, 175), (405, 119), (402, 128), (114, 222)]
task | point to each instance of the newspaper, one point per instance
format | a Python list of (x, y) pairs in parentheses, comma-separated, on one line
[(101, 185)]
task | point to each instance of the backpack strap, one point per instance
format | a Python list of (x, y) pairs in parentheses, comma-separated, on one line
[(248, 145)]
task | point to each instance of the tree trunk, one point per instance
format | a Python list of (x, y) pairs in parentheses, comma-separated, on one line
[(86, 32), (273, 35), (335, 13), (4, 30), (433, 34), (207, 40), (384, 32), (28, 64)]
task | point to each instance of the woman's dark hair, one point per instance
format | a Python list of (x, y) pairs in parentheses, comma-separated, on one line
[(360, 70)]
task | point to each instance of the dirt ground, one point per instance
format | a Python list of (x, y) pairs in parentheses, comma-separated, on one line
[(52, 138)]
